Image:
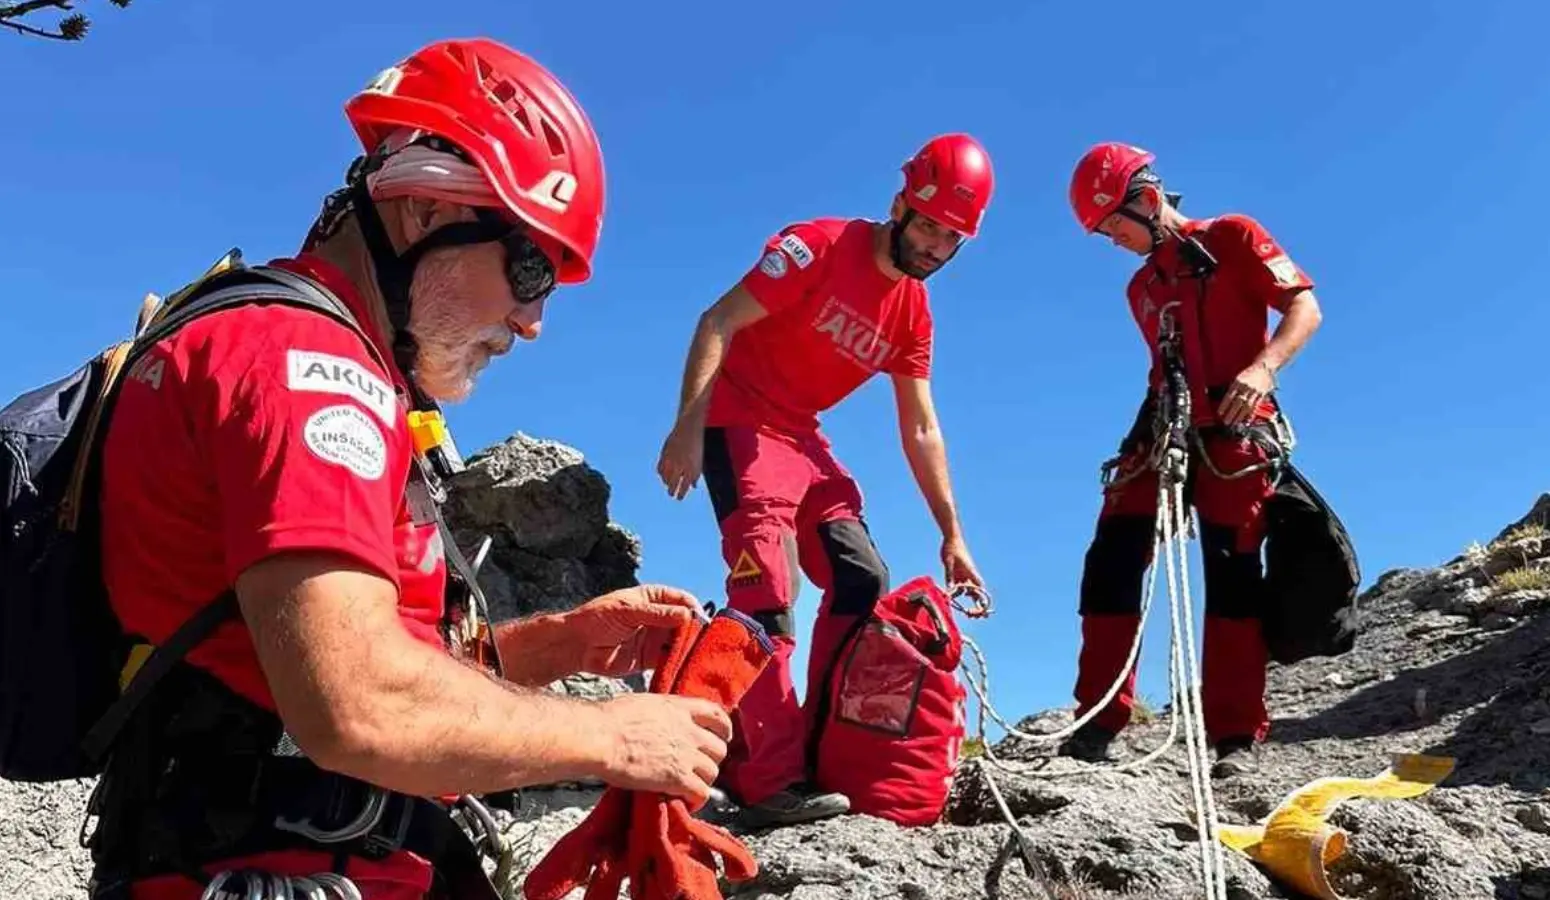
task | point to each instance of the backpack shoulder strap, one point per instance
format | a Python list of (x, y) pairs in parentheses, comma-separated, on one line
[(240, 287), (225, 291)]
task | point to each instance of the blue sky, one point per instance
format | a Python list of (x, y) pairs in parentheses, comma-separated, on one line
[(1391, 149)]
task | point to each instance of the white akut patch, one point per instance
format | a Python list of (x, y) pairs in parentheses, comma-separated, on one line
[(345, 436), (1284, 270), (325, 373), (797, 249)]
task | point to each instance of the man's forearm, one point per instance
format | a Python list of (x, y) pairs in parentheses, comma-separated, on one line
[(926, 451), (426, 725), (706, 352), (1292, 333)]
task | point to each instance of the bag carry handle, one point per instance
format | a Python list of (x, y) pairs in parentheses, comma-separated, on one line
[(937, 622)]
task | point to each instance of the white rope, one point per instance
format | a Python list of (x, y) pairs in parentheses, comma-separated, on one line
[(1171, 537), (1187, 697)]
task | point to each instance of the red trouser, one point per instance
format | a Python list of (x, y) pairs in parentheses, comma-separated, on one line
[(1232, 529), (785, 503)]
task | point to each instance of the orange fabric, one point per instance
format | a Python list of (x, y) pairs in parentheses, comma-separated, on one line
[(652, 839)]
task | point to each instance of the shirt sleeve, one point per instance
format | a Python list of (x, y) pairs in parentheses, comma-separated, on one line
[(1270, 275), (790, 266), (914, 357), (307, 444)]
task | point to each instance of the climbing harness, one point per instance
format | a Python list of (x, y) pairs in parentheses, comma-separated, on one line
[(1169, 457)]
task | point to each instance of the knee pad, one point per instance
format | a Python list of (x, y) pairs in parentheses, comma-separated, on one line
[(1115, 564), (1234, 581), (777, 623), (860, 576)]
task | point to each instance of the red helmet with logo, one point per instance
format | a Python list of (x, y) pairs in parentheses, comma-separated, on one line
[(950, 180), (514, 120), (1101, 179)]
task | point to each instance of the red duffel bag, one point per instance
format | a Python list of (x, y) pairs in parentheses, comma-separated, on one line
[(890, 723)]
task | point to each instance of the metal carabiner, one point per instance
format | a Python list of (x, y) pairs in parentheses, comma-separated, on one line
[(213, 889), (981, 608), (339, 884), (490, 833), (370, 816), (307, 889)]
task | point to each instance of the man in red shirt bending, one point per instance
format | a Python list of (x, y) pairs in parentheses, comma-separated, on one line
[(286, 461), (830, 303), (1206, 290)]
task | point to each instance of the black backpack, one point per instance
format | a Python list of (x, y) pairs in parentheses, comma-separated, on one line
[(1311, 575), (69, 676)]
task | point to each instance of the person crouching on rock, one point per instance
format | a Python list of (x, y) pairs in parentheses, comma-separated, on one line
[(275, 451), (1200, 301)]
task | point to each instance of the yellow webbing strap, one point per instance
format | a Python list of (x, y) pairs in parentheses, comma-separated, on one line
[(1297, 844), (70, 506)]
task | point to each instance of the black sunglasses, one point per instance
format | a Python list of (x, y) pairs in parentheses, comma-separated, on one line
[(528, 268)]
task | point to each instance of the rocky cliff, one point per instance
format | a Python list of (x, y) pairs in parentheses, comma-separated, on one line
[(1450, 663)]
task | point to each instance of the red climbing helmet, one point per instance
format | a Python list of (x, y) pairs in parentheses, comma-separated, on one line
[(514, 120), (950, 180), (1101, 179)]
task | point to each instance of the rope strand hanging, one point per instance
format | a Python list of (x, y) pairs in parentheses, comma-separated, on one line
[(1170, 457)]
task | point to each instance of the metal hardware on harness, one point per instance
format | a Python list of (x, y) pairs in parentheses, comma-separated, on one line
[(270, 886), (487, 837), (1278, 447), (1174, 432), (368, 818)]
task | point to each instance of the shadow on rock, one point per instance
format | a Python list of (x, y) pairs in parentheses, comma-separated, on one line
[(1507, 741), (1530, 883), (1391, 707)]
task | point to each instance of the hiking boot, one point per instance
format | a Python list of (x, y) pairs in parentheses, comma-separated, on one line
[(1235, 757), (1089, 743), (801, 802)]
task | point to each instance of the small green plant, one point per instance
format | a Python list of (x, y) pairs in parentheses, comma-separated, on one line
[(1523, 578), (973, 747), (1144, 712)]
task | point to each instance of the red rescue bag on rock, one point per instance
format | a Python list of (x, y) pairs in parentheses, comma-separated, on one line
[(889, 727)]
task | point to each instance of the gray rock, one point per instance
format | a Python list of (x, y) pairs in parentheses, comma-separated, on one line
[(546, 513)]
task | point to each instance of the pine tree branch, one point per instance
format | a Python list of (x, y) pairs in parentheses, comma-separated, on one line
[(72, 27), (15, 10), (28, 29)]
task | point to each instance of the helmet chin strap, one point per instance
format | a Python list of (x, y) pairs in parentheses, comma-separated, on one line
[(1150, 222), (395, 271)]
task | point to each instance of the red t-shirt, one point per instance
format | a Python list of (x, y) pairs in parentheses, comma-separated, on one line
[(1226, 326), (834, 321), (250, 432)]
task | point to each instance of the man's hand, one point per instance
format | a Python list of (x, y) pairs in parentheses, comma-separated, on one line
[(958, 565), (628, 630), (664, 743), (1247, 390), (683, 455)]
